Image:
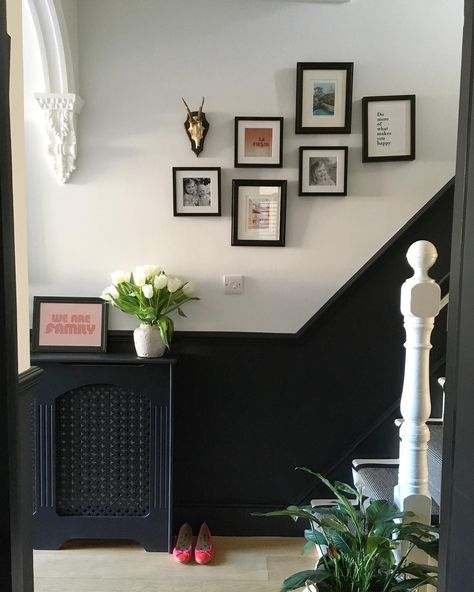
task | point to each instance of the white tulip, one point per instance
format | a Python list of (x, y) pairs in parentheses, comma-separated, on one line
[(188, 289), (147, 290), (139, 276), (109, 292), (119, 276), (151, 270), (174, 284), (160, 281)]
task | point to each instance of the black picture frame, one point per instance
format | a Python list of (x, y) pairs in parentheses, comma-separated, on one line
[(210, 178), (388, 128), (267, 226), (327, 174), (68, 322), (241, 140), (336, 83)]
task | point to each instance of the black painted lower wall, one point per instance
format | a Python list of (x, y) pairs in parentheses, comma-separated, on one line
[(249, 408)]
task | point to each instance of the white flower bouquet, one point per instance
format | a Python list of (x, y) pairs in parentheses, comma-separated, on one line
[(150, 295)]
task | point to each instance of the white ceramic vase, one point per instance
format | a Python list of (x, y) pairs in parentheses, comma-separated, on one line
[(148, 342)]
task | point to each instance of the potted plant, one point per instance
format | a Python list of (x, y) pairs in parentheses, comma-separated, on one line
[(150, 295), (357, 539)]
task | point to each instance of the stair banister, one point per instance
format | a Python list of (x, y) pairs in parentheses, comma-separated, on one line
[(420, 304)]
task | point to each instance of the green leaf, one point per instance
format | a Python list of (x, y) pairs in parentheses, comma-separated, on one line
[(429, 531), (298, 580), (377, 543), (163, 325), (379, 512), (309, 546), (345, 543), (419, 570), (170, 329), (327, 522), (315, 537), (181, 313), (345, 488), (292, 511), (430, 547)]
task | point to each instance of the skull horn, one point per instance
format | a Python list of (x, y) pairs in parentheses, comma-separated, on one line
[(200, 109), (189, 110)]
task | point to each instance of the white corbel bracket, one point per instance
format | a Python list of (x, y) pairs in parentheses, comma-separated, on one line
[(61, 118)]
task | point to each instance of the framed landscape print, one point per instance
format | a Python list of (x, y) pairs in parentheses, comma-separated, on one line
[(388, 128), (258, 142), (324, 97), (196, 191), (323, 170), (258, 213), (65, 324)]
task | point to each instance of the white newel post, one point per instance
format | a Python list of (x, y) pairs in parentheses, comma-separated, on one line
[(420, 304)]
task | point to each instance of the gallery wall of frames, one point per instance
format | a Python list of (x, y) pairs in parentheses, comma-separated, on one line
[(323, 106), (249, 61)]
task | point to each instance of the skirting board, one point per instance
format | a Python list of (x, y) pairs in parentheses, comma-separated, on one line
[(236, 520)]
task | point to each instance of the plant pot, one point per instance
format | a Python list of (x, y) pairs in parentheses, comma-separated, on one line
[(148, 342)]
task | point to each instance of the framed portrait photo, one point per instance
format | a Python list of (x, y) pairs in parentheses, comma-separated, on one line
[(324, 97), (65, 324), (323, 170), (196, 191), (258, 213), (388, 128), (258, 142)]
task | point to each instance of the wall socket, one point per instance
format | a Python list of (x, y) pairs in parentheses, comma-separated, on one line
[(233, 284)]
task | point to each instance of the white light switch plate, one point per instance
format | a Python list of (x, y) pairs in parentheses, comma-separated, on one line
[(233, 284)]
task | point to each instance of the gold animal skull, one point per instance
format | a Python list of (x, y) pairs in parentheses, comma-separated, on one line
[(196, 126)]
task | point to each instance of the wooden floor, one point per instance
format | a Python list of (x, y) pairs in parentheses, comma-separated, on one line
[(240, 565)]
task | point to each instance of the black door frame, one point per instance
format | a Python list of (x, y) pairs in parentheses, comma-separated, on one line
[(457, 542), (457, 495), (8, 336)]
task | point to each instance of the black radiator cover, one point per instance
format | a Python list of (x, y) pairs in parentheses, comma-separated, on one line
[(102, 449)]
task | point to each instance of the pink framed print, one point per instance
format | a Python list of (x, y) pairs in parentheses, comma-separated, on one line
[(258, 142), (68, 324)]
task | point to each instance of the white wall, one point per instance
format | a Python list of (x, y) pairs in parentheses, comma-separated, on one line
[(138, 57)]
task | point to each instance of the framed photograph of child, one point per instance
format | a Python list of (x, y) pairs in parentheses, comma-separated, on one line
[(196, 191), (388, 128), (69, 324), (324, 97), (258, 213), (323, 170), (258, 142)]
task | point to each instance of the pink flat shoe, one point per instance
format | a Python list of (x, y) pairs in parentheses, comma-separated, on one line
[(183, 550), (204, 551)]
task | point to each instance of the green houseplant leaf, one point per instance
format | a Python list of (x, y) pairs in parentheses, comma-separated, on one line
[(298, 580), (356, 538)]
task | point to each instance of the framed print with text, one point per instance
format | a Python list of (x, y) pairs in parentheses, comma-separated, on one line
[(66, 324), (323, 170), (196, 191), (258, 142), (324, 97), (388, 128), (258, 213)]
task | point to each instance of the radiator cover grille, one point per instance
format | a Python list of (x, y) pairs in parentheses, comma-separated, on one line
[(103, 452)]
